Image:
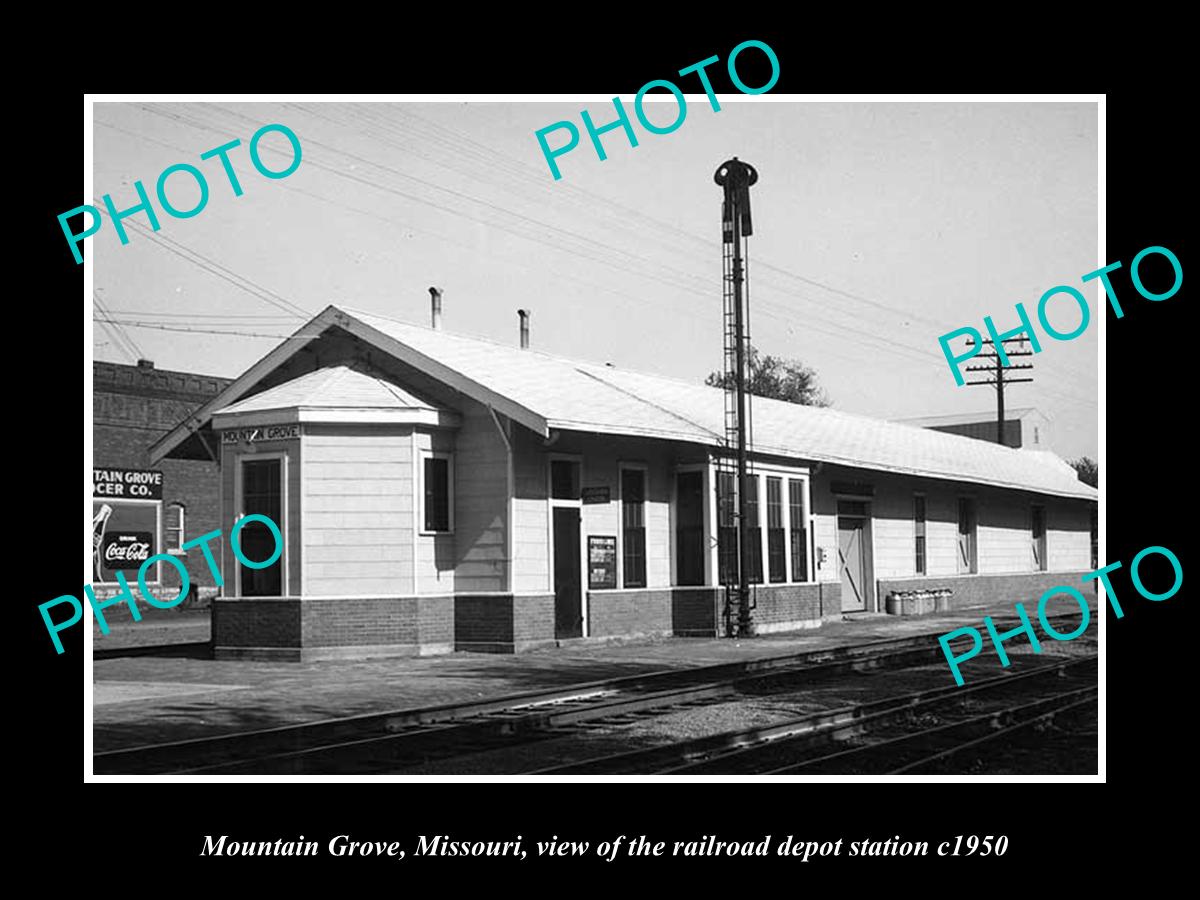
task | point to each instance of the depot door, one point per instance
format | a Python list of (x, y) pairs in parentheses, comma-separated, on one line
[(568, 593), (853, 556), (261, 494)]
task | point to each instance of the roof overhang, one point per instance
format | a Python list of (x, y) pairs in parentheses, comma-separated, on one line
[(430, 418), (328, 318)]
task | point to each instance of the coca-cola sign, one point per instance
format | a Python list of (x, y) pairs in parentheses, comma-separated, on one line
[(126, 549)]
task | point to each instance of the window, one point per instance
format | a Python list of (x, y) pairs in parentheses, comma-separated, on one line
[(633, 526), (727, 529), (776, 536), (564, 479), (919, 531), (437, 493), (174, 528), (754, 530), (689, 528), (799, 525), (966, 535), (727, 537), (1038, 537), (262, 494)]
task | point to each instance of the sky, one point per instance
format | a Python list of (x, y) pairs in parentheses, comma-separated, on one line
[(878, 227)]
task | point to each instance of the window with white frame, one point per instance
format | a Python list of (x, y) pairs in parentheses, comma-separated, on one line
[(690, 543), (798, 527), (776, 533), (785, 539), (633, 527), (437, 492), (754, 532), (173, 528), (919, 533)]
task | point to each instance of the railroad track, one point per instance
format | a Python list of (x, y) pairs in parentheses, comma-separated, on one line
[(934, 726), (391, 741)]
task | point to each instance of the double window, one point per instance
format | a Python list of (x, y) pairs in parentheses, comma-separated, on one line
[(437, 492), (786, 528)]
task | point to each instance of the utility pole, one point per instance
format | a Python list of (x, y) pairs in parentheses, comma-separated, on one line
[(736, 177), (999, 380)]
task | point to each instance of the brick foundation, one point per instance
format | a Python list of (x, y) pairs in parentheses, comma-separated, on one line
[(503, 623), (298, 629), (977, 590), (629, 613), (790, 607)]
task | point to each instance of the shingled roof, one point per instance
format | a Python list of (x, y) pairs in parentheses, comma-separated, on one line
[(543, 392)]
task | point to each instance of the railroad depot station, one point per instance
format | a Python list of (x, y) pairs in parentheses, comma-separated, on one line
[(438, 492)]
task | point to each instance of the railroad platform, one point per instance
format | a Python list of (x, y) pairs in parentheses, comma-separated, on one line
[(148, 698)]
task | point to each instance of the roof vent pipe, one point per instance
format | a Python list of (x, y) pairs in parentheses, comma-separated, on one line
[(524, 314), (435, 310)]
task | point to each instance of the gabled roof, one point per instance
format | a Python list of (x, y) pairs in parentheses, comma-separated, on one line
[(334, 394), (543, 392), (336, 387)]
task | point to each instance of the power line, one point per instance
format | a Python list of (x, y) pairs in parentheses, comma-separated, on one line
[(907, 352), (159, 327), (215, 268), (513, 164), (124, 340)]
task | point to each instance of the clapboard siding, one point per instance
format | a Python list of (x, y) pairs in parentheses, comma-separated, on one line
[(603, 458), (1069, 536), (531, 529), (358, 510), (480, 552), (1003, 531)]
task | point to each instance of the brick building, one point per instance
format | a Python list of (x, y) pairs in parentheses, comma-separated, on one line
[(437, 492), (1025, 427), (144, 506)]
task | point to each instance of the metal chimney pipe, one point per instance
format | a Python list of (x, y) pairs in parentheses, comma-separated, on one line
[(435, 311), (524, 314)]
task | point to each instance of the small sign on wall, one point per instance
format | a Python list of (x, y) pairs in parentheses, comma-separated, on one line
[(267, 433), (596, 494), (602, 561)]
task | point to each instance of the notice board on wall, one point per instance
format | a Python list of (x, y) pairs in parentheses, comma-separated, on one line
[(602, 561)]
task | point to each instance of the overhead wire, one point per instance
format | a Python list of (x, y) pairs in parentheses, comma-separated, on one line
[(784, 313)]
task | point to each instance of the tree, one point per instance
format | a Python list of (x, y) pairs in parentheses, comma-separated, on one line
[(1087, 470), (777, 378)]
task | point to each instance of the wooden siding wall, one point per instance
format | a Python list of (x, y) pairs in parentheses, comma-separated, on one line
[(358, 510), (531, 537), (602, 458), (1003, 534), (435, 556), (475, 557)]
